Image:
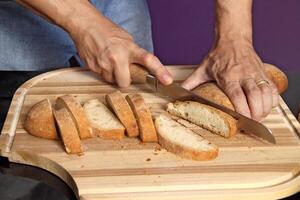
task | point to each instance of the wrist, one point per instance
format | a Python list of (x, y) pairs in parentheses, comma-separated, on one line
[(230, 36)]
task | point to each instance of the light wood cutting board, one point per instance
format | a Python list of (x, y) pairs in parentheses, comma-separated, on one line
[(246, 167)]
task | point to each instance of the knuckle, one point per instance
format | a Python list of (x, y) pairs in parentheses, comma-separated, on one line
[(148, 58)]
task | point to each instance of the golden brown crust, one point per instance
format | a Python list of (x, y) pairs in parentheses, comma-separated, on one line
[(68, 131), (143, 116), (212, 92), (277, 76), (77, 113), (40, 121), (113, 134), (123, 111)]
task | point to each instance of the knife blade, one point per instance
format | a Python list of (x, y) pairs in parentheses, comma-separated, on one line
[(175, 91)]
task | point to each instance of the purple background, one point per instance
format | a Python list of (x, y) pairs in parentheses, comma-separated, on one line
[(183, 31)]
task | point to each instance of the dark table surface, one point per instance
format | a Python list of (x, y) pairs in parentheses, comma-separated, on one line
[(16, 187)]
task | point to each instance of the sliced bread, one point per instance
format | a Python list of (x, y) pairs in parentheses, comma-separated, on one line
[(40, 121), (182, 141), (143, 116), (123, 111), (76, 112), (205, 116), (104, 123), (68, 131)]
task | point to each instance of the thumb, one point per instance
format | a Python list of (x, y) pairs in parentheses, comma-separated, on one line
[(198, 77), (153, 65)]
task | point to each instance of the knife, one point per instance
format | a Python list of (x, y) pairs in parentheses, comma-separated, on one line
[(176, 92)]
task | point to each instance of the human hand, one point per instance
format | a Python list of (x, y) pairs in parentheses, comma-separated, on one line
[(109, 50), (237, 69)]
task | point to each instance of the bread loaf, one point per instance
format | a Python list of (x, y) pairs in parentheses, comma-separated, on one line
[(143, 116), (104, 123), (123, 111), (205, 116), (68, 131), (76, 112), (212, 92), (277, 76), (182, 141), (40, 121)]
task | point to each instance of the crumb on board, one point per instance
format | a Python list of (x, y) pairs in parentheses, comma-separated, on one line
[(148, 159)]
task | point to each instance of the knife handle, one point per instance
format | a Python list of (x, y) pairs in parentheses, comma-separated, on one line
[(138, 73)]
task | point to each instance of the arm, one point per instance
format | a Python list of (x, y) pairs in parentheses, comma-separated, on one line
[(234, 64), (104, 47)]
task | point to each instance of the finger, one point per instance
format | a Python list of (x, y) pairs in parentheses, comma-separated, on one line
[(275, 94), (152, 63), (198, 77), (267, 98), (237, 97), (122, 74), (254, 98)]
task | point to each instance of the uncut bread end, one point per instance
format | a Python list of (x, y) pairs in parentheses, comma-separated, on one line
[(77, 113), (104, 123), (123, 111), (205, 116), (182, 141), (40, 121), (68, 131)]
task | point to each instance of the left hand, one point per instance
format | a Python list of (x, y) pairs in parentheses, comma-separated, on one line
[(237, 69)]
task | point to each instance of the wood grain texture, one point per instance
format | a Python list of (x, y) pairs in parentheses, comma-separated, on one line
[(246, 167)]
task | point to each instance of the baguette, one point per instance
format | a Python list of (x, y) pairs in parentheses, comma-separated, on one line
[(212, 92), (182, 141), (123, 111), (40, 121), (68, 131), (205, 116), (277, 77), (143, 116), (104, 123), (76, 112)]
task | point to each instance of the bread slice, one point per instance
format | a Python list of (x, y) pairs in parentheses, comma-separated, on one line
[(103, 121), (122, 109), (76, 111), (143, 116), (182, 141), (40, 121), (205, 116), (68, 131)]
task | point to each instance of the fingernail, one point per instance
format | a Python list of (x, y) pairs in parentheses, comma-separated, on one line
[(167, 78)]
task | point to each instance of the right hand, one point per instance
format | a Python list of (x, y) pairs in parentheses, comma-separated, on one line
[(109, 50)]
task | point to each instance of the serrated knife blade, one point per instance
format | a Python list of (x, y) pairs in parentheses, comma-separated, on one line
[(175, 91)]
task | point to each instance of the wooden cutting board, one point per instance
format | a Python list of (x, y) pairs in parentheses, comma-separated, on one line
[(246, 167)]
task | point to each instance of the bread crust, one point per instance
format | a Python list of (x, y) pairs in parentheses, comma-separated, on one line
[(68, 131), (229, 120), (77, 113), (40, 121), (213, 93), (143, 115), (277, 76), (123, 111), (185, 152)]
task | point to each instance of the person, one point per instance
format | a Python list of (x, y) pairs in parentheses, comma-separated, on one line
[(109, 35)]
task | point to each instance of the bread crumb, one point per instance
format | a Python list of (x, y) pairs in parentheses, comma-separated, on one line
[(148, 159)]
